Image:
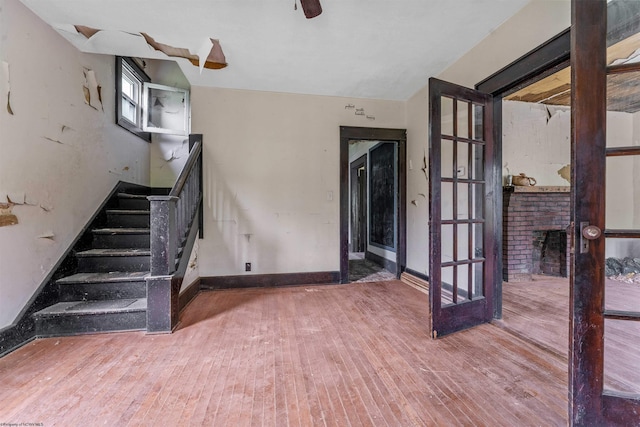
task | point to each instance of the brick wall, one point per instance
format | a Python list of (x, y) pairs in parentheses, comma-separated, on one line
[(526, 210)]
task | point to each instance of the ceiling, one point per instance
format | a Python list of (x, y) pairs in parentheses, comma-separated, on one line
[(623, 90), (379, 49)]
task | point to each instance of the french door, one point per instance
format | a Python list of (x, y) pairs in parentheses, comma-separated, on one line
[(461, 207), (604, 364)]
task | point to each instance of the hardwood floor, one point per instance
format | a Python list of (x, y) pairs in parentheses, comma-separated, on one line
[(342, 355), (538, 311)]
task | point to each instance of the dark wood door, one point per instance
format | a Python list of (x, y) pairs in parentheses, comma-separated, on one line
[(461, 207), (605, 314)]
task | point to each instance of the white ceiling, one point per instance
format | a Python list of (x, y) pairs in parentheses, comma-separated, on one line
[(383, 49)]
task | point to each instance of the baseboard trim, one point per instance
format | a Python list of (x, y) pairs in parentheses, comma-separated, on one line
[(387, 264), (269, 280), (189, 294), (417, 274)]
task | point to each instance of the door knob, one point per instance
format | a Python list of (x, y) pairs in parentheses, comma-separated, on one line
[(591, 232), (588, 232)]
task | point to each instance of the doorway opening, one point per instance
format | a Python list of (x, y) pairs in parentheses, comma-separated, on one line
[(372, 214), (372, 203)]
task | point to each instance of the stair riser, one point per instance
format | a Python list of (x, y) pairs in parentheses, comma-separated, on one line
[(74, 324), (103, 291), (128, 220), (119, 241), (142, 204), (105, 264)]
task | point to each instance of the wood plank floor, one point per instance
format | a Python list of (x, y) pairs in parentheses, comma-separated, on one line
[(343, 355), (538, 311)]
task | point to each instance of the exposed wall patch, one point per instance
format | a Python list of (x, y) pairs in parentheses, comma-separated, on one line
[(92, 90), (88, 32), (565, 173), (214, 60), (6, 216), (7, 85)]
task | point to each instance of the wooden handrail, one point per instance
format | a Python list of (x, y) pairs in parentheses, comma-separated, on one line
[(191, 161)]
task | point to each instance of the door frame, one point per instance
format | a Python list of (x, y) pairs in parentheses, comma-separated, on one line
[(350, 133), (354, 166), (544, 60)]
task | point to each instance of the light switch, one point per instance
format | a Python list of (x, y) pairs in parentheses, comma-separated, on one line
[(329, 196)]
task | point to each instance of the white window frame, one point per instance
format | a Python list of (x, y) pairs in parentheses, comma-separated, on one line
[(128, 67), (148, 105)]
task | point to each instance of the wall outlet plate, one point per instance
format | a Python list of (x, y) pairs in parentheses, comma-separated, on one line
[(247, 266)]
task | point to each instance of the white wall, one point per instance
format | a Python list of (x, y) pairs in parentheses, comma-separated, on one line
[(271, 166), (536, 141), (168, 153), (537, 22), (623, 185), (58, 154)]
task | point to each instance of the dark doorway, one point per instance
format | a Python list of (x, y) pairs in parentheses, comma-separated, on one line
[(397, 136), (359, 205)]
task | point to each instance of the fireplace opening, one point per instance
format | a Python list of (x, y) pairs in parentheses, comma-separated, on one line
[(549, 254)]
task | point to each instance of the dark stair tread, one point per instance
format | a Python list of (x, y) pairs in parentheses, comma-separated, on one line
[(113, 252), (94, 307), (113, 276), (128, 212), (132, 196), (111, 231)]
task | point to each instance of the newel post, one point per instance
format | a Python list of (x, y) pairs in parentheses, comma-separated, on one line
[(162, 298)]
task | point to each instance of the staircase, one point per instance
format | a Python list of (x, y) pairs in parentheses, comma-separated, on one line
[(108, 291)]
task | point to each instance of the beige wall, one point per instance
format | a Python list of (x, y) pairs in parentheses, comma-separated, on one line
[(271, 168), (536, 141), (168, 153), (58, 154), (533, 25)]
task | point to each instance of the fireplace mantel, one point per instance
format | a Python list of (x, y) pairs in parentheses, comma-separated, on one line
[(538, 189)]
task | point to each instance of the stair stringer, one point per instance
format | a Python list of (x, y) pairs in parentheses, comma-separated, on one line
[(23, 329)]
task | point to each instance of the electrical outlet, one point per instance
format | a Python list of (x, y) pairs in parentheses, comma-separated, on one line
[(247, 266)]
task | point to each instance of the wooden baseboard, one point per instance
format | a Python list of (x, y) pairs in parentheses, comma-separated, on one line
[(189, 294), (387, 264), (415, 280), (269, 280)]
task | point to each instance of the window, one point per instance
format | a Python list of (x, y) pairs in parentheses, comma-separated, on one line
[(129, 106), (144, 108)]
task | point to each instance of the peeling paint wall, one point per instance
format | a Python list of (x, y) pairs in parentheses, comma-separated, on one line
[(536, 141), (193, 271), (270, 161), (168, 153), (514, 38), (59, 155)]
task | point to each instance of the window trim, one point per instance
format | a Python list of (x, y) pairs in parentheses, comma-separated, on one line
[(142, 77)]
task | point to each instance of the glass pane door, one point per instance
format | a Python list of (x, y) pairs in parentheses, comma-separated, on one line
[(459, 156)]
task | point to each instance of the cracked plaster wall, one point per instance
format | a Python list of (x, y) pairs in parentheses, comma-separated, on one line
[(536, 141), (60, 157), (168, 153)]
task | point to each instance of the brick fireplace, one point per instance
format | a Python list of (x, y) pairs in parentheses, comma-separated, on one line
[(535, 240)]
